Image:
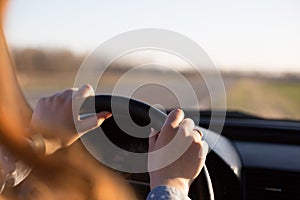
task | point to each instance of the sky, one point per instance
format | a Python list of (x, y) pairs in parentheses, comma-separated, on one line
[(260, 35)]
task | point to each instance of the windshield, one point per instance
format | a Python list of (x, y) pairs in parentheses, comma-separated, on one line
[(253, 45)]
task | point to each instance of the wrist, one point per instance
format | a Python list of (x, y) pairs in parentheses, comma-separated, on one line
[(43, 146), (52, 146), (38, 144)]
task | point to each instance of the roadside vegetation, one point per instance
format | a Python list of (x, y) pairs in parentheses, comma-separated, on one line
[(271, 98), (42, 72)]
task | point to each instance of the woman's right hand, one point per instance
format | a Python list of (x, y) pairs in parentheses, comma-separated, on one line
[(187, 167)]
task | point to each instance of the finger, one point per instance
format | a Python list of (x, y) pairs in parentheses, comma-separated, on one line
[(196, 129), (175, 118), (102, 116), (152, 139), (61, 97), (69, 92), (49, 99), (187, 125), (171, 124), (84, 91), (66, 93), (197, 134), (79, 97), (91, 122), (204, 151), (186, 132)]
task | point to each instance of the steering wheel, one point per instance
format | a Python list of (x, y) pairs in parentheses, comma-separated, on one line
[(132, 111)]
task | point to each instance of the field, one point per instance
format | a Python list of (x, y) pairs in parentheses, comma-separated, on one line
[(266, 98), (260, 96), (43, 72)]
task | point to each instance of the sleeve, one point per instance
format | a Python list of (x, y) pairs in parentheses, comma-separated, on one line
[(166, 193), (13, 171)]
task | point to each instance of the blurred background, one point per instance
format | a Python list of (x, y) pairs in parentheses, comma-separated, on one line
[(255, 45)]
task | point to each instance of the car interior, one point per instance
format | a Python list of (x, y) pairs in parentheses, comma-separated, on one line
[(254, 158), (254, 140)]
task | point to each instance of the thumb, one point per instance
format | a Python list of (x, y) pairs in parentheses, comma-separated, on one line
[(152, 139), (174, 118), (91, 122), (171, 125), (102, 116)]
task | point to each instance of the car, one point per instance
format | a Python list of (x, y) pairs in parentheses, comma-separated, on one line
[(247, 110)]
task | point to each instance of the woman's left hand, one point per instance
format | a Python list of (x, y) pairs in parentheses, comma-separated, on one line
[(54, 117)]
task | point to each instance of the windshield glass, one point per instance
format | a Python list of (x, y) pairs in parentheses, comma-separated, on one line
[(254, 45)]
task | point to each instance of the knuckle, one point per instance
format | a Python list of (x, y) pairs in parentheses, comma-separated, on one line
[(201, 144), (42, 100), (87, 86), (58, 98), (190, 120), (198, 144), (196, 138), (68, 92), (187, 124)]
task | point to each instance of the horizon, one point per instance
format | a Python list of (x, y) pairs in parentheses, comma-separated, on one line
[(181, 66)]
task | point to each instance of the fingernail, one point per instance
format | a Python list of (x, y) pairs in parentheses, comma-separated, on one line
[(108, 115), (104, 115), (178, 109)]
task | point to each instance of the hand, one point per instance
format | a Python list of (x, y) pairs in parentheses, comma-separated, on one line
[(187, 167), (54, 118)]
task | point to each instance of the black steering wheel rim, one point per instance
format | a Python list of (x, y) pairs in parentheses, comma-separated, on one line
[(140, 112)]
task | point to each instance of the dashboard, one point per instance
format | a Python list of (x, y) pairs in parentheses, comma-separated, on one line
[(269, 152), (252, 159), (270, 171)]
